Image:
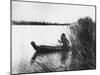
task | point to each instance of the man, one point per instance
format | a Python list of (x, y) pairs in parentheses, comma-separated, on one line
[(65, 47)]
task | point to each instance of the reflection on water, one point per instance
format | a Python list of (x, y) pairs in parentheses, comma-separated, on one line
[(42, 35)]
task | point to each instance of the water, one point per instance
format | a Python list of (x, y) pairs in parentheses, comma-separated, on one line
[(41, 35)]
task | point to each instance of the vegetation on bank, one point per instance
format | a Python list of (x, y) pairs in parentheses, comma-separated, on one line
[(84, 45)]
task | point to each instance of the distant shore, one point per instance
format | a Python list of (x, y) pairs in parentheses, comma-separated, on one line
[(37, 23)]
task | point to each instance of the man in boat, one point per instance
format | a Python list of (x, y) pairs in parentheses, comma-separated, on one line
[(48, 49), (65, 47)]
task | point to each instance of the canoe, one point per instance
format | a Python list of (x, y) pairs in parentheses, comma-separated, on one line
[(46, 49)]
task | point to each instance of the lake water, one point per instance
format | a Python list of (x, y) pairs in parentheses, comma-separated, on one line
[(41, 35)]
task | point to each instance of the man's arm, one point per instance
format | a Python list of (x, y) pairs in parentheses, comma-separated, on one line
[(59, 41)]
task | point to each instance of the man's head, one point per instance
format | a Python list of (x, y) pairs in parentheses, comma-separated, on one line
[(63, 37)]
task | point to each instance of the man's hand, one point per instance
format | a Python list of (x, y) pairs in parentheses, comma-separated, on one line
[(59, 41)]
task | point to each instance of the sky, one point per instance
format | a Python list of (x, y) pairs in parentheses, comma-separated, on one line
[(30, 11)]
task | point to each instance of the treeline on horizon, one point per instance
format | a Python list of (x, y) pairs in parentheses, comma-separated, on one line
[(36, 23)]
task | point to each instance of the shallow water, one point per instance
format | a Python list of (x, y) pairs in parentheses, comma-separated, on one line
[(41, 35)]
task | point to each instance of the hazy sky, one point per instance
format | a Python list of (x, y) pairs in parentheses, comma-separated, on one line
[(30, 11)]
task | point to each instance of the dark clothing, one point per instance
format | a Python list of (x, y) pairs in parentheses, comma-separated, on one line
[(65, 48)]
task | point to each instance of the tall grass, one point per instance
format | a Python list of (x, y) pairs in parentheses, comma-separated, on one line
[(83, 45)]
